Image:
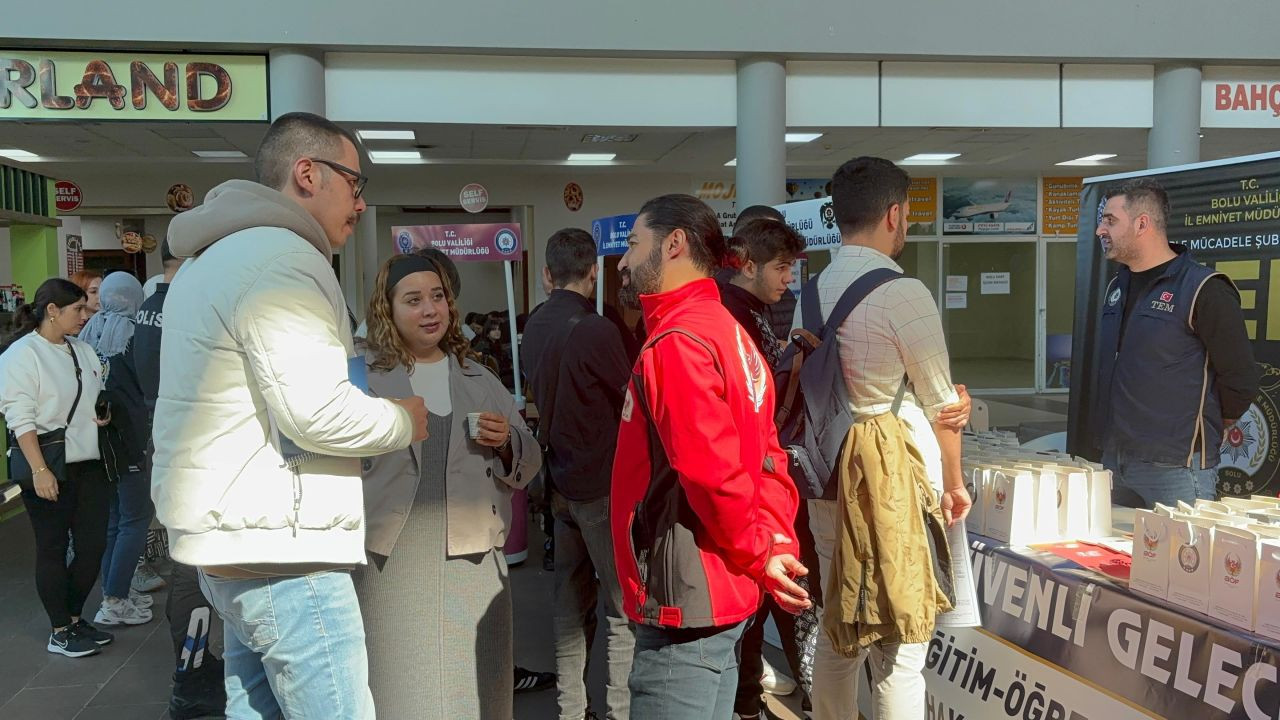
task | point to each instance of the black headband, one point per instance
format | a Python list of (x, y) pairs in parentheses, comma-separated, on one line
[(406, 265)]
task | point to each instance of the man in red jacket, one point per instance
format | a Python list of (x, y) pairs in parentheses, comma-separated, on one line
[(702, 511)]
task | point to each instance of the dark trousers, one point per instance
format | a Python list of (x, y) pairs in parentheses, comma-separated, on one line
[(189, 615), (82, 509), (748, 700), (751, 669)]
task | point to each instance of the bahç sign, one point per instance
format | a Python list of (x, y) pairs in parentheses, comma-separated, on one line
[(488, 242), (118, 86), (1239, 97), (66, 196)]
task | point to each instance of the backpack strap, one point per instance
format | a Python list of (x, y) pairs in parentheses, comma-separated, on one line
[(856, 293)]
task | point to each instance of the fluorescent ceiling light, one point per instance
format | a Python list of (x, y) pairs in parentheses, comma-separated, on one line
[(591, 158), (386, 134), (929, 158), (732, 163), (392, 156), (802, 137), (16, 154), (1089, 159), (218, 153)]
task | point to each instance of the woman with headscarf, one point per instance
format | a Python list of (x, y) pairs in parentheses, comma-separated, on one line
[(123, 442), (435, 595)]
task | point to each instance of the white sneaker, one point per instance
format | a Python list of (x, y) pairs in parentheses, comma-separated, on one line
[(775, 683), (119, 611), (139, 600), (145, 579)]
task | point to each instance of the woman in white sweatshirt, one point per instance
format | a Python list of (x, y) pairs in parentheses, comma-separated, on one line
[(48, 377)]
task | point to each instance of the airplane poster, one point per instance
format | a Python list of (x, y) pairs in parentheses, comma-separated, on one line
[(997, 206)]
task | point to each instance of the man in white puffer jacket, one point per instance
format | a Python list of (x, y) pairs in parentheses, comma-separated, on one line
[(258, 427)]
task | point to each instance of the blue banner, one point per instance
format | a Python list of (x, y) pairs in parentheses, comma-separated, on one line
[(610, 234)]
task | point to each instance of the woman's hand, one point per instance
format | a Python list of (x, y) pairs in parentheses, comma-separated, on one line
[(46, 484), (495, 431)]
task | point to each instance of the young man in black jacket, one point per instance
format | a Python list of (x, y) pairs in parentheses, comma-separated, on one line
[(762, 253), (577, 367), (198, 688)]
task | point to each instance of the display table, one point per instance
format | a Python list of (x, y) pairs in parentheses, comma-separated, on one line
[(1065, 639)]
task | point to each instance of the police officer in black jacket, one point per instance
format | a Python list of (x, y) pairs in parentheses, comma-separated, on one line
[(1177, 365), (198, 688)]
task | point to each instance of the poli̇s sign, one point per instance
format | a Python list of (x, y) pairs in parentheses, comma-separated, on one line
[(610, 234)]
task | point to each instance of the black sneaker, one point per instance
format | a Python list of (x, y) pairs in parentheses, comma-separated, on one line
[(549, 556), (530, 681), (199, 693), (65, 642), (85, 630)]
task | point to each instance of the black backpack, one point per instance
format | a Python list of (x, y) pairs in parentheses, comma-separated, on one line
[(813, 415)]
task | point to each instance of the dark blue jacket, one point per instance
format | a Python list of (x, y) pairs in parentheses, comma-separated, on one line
[(1158, 398)]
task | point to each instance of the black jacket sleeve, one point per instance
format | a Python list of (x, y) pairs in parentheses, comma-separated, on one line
[(1219, 323)]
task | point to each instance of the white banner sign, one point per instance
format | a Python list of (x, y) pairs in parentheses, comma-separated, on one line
[(974, 675), (815, 220)]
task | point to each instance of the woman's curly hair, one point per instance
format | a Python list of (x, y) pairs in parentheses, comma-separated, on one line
[(384, 341)]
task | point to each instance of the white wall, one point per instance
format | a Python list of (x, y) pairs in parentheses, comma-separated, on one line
[(361, 87)]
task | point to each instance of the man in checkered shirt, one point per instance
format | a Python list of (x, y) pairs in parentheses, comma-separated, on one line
[(895, 332)]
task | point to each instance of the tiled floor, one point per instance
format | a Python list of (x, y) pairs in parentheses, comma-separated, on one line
[(130, 679)]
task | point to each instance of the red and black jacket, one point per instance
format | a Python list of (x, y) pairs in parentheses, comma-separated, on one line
[(700, 498)]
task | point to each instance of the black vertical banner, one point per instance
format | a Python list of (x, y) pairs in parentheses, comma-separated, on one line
[(1229, 216)]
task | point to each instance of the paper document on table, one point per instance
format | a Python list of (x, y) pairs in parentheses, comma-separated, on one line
[(966, 612)]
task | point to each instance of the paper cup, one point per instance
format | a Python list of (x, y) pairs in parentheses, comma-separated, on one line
[(473, 425)]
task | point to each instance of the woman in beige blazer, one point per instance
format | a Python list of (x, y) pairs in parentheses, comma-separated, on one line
[(435, 596)]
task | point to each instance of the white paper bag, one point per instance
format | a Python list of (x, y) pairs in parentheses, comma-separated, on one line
[(1151, 554), (1011, 506), (1192, 545), (1233, 588), (1267, 616)]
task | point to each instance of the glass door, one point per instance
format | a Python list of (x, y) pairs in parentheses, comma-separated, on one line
[(1058, 313), (989, 300)]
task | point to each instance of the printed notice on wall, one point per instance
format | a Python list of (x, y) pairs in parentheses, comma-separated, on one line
[(995, 283), (1060, 212), (957, 300), (957, 283)]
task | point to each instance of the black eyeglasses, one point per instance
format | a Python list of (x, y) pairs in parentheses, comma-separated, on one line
[(360, 180)]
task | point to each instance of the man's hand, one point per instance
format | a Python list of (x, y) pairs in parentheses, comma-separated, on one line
[(957, 415), (418, 412), (955, 505), (778, 574)]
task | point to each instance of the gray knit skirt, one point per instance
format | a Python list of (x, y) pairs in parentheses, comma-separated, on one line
[(438, 629)]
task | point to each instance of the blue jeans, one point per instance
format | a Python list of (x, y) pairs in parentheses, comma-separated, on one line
[(1161, 482), (130, 516), (584, 572), (293, 647), (685, 674)]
